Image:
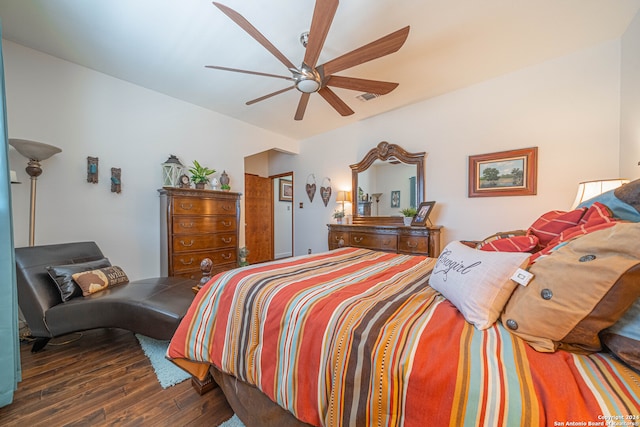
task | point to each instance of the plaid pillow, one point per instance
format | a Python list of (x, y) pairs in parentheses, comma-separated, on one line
[(510, 244), (597, 217), (550, 225)]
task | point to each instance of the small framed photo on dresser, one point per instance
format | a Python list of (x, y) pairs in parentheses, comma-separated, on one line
[(424, 210)]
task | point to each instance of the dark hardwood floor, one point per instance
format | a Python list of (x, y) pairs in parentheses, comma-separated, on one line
[(104, 378)]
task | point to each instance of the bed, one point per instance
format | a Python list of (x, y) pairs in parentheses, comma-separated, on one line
[(360, 337)]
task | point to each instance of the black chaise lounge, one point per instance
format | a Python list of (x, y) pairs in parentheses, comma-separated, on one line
[(151, 307)]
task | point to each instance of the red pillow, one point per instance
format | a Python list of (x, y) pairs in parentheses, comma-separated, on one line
[(597, 217), (511, 244), (550, 225)]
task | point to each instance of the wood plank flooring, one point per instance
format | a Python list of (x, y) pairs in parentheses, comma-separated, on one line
[(104, 378)]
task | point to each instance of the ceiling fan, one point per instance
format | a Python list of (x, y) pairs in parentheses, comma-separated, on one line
[(310, 77)]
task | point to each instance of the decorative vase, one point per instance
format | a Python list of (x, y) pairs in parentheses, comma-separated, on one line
[(224, 178), (407, 220)]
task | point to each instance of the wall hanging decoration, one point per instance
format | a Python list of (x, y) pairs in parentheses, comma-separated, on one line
[(506, 173), (311, 187), (286, 190), (172, 169), (116, 183), (325, 190), (92, 170), (395, 199)]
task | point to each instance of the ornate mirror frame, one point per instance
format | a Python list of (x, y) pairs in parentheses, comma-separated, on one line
[(384, 151)]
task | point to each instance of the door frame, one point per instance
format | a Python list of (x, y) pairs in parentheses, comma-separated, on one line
[(273, 216)]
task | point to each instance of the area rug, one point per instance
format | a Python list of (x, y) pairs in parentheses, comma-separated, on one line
[(232, 422), (168, 374)]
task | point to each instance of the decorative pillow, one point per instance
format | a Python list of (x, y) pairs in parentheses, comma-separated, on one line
[(623, 338), (510, 244), (597, 217), (624, 201), (551, 224), (98, 280), (578, 290), (62, 275), (478, 283)]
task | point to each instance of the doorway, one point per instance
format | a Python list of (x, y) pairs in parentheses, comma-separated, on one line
[(268, 210)]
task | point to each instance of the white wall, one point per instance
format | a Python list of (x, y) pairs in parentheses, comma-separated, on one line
[(91, 114), (630, 102), (568, 107)]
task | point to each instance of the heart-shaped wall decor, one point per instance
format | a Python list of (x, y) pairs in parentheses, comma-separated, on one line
[(311, 187), (311, 191), (325, 193)]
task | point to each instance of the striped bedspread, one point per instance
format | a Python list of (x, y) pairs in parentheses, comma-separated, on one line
[(357, 337)]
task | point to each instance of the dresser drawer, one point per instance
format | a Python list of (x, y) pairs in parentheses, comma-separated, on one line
[(338, 239), (196, 242), (193, 206), (374, 241), (191, 260), (418, 245), (203, 224)]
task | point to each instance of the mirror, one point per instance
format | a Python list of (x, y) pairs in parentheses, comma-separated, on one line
[(387, 180)]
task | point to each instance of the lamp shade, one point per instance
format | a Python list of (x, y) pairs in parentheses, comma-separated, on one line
[(590, 189), (33, 150), (343, 196)]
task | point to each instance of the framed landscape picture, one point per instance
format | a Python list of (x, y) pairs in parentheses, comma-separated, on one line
[(506, 173)]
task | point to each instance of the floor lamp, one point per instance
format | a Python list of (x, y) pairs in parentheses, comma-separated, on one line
[(35, 152)]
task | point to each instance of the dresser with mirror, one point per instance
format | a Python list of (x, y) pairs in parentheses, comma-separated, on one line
[(385, 181)]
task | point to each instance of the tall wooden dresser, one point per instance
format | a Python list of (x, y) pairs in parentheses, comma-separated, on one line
[(198, 224)]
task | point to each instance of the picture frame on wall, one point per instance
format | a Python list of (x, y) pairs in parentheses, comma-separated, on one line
[(286, 190), (395, 199), (424, 210), (505, 173)]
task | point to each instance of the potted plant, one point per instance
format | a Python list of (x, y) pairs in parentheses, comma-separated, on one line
[(338, 215), (408, 213), (200, 174)]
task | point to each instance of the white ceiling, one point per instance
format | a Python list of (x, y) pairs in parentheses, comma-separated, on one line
[(164, 45)]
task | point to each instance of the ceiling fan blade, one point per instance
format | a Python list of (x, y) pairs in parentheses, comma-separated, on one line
[(376, 49), (253, 32), (237, 70), (337, 103), (323, 14), (302, 106), (363, 85), (262, 98)]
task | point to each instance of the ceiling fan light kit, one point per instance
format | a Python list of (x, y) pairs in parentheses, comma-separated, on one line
[(311, 77)]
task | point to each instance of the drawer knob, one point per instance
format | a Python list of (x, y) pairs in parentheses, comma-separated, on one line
[(412, 244), (185, 225), (186, 207), (226, 207), (358, 239), (227, 239), (186, 263), (226, 256), (185, 244), (226, 223)]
